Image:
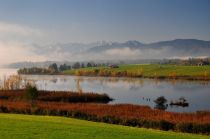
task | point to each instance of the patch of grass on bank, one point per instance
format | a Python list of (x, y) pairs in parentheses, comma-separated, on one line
[(28, 126), (149, 70)]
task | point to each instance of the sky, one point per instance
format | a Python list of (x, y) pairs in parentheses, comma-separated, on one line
[(25, 22)]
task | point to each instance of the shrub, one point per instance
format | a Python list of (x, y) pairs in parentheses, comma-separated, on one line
[(132, 122), (184, 127), (31, 92), (193, 128), (160, 103), (160, 100), (201, 128), (165, 125)]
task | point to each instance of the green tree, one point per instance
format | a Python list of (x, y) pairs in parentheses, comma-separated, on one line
[(161, 103), (53, 68), (76, 65), (31, 92)]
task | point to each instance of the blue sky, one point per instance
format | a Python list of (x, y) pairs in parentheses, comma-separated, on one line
[(25, 25), (109, 20)]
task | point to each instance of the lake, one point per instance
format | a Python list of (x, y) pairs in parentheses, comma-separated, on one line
[(129, 90)]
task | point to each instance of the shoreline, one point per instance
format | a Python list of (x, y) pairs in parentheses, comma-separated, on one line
[(187, 78), (152, 71), (56, 96)]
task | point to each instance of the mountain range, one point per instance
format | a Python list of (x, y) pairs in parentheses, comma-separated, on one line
[(129, 50), (191, 46)]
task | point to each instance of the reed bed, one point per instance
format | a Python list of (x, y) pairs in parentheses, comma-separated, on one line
[(124, 114), (56, 96)]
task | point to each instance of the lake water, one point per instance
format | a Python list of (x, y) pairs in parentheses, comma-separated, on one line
[(131, 90)]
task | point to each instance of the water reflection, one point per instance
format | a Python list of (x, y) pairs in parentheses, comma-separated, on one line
[(78, 86), (133, 90)]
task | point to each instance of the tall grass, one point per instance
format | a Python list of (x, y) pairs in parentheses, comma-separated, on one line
[(12, 82), (56, 96)]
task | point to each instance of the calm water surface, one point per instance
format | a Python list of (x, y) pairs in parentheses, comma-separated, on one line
[(131, 90)]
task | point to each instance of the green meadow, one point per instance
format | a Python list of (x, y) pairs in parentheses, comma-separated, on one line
[(30, 126), (149, 70)]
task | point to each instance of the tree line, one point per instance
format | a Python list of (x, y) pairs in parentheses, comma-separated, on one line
[(55, 68), (188, 62)]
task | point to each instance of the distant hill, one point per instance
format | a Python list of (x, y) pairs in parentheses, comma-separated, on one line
[(129, 44), (191, 47), (178, 48), (129, 52), (182, 43), (30, 64)]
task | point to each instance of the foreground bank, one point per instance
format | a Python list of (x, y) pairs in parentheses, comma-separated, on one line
[(28, 126), (124, 114), (88, 106)]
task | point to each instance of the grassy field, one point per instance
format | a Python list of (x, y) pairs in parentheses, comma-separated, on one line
[(149, 70), (28, 126)]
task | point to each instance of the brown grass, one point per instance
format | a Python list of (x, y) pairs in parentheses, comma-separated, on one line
[(122, 111), (57, 96)]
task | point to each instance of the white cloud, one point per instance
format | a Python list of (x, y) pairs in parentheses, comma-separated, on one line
[(10, 32), (13, 43), (15, 52), (123, 52)]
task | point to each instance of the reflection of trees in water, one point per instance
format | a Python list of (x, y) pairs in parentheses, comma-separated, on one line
[(134, 88), (104, 80), (174, 82), (133, 83), (63, 80), (204, 83), (1, 83), (156, 81), (79, 88), (136, 82), (161, 107), (54, 80)]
